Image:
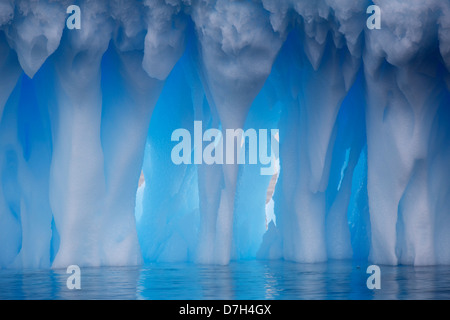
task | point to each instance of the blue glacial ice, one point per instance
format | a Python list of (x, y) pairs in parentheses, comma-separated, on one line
[(86, 117)]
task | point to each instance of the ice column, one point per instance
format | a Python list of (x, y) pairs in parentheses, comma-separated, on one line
[(26, 140), (237, 49), (77, 177), (147, 50), (404, 91)]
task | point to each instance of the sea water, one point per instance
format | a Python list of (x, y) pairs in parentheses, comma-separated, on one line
[(238, 280)]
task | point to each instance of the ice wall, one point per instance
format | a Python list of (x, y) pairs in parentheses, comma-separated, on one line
[(363, 119)]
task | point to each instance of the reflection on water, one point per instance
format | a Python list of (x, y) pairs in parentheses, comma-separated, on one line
[(239, 280)]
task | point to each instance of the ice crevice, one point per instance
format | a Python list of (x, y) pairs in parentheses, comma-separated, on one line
[(363, 118)]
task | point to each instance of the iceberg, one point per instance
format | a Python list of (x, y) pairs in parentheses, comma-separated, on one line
[(87, 117)]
